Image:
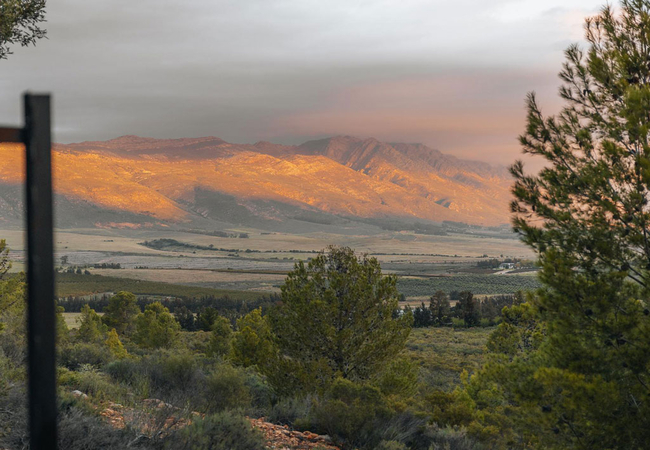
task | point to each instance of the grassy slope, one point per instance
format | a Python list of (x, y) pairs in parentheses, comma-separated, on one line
[(68, 284), (443, 353)]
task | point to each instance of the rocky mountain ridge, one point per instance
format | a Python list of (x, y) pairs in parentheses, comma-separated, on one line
[(209, 179)]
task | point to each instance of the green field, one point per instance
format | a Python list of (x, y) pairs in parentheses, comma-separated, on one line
[(69, 284), (477, 284)]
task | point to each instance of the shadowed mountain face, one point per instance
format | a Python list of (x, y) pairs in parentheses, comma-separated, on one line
[(186, 180)]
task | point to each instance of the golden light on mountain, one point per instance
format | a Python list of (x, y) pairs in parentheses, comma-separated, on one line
[(343, 176)]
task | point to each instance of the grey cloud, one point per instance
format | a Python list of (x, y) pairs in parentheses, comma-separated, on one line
[(243, 69)]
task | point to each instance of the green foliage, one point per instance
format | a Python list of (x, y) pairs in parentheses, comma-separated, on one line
[(75, 355), (5, 264), (440, 308), (220, 338), (185, 318), (444, 353), (253, 344), (468, 309), (115, 345), (121, 312), (156, 327), (225, 388), (570, 367), (62, 331), (91, 328), (12, 297), (206, 318), (351, 413), (399, 379), (171, 376), (93, 383), (223, 431), (20, 23), (336, 319)]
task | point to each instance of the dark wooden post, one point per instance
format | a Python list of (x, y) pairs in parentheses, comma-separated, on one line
[(40, 274)]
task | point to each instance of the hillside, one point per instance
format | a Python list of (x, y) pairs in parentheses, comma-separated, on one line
[(181, 181)]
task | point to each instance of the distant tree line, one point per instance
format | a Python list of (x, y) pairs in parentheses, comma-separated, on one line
[(225, 305), (73, 269), (163, 244), (468, 310), (218, 233)]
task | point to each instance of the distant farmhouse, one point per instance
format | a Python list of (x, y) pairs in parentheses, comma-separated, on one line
[(506, 265)]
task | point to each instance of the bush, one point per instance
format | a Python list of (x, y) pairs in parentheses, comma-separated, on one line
[(79, 431), (169, 376), (351, 413), (262, 394), (92, 383), (124, 370), (221, 337), (79, 354), (223, 431), (291, 410), (225, 388)]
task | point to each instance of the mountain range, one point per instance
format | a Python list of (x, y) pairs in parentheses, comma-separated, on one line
[(206, 182)]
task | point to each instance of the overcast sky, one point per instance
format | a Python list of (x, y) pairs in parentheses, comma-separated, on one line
[(450, 74)]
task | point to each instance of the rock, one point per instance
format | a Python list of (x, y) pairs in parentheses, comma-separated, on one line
[(79, 394)]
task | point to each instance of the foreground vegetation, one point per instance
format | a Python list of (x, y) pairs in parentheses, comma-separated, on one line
[(332, 355)]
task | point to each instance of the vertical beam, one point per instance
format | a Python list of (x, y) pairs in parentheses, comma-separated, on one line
[(40, 274)]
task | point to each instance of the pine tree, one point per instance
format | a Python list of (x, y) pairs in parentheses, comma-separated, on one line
[(156, 327), (91, 328), (121, 311), (440, 308), (336, 319), (571, 365)]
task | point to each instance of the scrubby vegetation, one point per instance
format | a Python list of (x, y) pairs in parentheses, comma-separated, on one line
[(328, 355)]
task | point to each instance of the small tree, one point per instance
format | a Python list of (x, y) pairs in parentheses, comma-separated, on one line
[(206, 318), (185, 318), (121, 311), (156, 327), (336, 318), (422, 316), (115, 345), (91, 328), (253, 344), (440, 308), (220, 337), (467, 309)]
